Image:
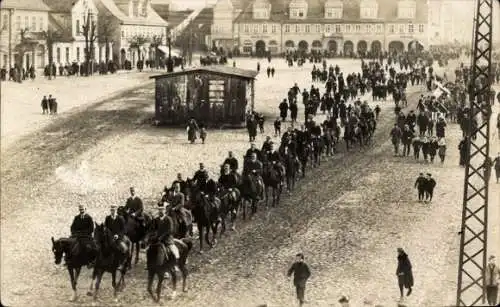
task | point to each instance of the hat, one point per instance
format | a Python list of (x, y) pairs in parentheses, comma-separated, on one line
[(161, 206), (113, 207), (81, 207), (429, 174), (491, 257), (344, 299)]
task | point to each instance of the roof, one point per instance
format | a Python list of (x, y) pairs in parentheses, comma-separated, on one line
[(60, 6), (215, 69), (64, 33), (32, 5), (119, 9), (387, 12), (174, 18)]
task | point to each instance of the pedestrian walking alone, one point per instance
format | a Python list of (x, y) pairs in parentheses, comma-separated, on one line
[(301, 274), (404, 273), (496, 164), (442, 149), (487, 165), (492, 279)]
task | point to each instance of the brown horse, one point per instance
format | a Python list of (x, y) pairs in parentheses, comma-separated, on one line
[(273, 177)]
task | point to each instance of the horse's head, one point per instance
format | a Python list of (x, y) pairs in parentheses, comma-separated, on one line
[(102, 236), (59, 248)]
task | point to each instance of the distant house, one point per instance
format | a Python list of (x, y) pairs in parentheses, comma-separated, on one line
[(130, 26), (200, 31), (222, 33), (31, 18), (67, 18)]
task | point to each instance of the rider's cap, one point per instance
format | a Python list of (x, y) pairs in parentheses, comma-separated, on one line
[(113, 206), (81, 207)]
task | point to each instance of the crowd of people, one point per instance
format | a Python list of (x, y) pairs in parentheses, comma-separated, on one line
[(275, 165)]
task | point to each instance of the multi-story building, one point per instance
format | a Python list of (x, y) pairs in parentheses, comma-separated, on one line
[(67, 19), (131, 26), (22, 33), (332, 25), (223, 26)]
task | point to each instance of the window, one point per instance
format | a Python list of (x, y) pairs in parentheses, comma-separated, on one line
[(77, 30), (392, 29), (348, 28), (358, 28), (337, 29), (26, 22), (67, 54), (318, 28), (273, 28), (246, 28), (255, 28), (123, 33), (5, 23), (247, 49), (421, 28), (58, 55), (379, 29), (401, 28), (411, 28), (308, 29), (297, 29), (18, 23), (41, 24), (328, 28), (287, 28), (78, 54), (264, 28), (301, 14)]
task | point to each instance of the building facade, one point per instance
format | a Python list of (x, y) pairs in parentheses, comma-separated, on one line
[(223, 29), (130, 26), (333, 25), (22, 33)]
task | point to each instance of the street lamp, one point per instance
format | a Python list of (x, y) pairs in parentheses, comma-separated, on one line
[(170, 63)]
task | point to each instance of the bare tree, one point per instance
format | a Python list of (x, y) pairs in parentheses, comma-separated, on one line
[(89, 31), (50, 37), (136, 42), (156, 41)]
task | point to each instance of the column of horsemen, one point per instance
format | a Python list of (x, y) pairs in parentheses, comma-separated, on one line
[(210, 202)]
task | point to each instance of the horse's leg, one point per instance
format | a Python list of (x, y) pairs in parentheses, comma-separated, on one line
[(97, 284), (244, 207), (91, 287), (161, 278), (137, 248), (72, 279), (184, 272), (174, 283), (151, 276), (207, 235), (200, 234), (115, 286), (266, 189), (214, 227)]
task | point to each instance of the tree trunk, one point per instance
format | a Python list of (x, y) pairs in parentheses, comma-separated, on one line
[(50, 46), (106, 50)]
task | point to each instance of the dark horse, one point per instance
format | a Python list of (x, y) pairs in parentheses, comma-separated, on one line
[(251, 192), (135, 230), (273, 176), (230, 202), (161, 261), (74, 256), (205, 210), (109, 260)]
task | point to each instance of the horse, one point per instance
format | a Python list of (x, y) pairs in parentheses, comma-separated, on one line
[(251, 191), (318, 146), (304, 153), (206, 212), (272, 176), (109, 260), (160, 261), (74, 256), (135, 230), (230, 203)]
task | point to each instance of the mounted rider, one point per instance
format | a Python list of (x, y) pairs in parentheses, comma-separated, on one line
[(231, 161), (228, 179), (200, 178), (82, 229), (177, 202), (253, 167), (134, 207), (275, 158), (163, 227), (116, 225)]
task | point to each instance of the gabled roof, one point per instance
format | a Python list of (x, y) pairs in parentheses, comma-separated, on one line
[(64, 34), (387, 11), (31, 5), (174, 18), (215, 69), (111, 5), (60, 6)]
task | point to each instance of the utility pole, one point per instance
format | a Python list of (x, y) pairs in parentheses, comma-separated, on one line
[(474, 230)]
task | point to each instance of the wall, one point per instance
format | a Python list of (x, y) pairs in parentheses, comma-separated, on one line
[(222, 27)]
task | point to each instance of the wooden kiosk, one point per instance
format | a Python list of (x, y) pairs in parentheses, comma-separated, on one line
[(217, 96)]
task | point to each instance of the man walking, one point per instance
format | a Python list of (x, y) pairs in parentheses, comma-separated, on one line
[(492, 276), (301, 273), (396, 135), (420, 186), (430, 184), (404, 273)]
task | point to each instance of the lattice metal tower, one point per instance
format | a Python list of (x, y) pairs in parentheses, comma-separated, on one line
[(473, 241)]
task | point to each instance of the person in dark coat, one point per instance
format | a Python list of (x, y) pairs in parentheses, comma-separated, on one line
[(430, 184), (301, 274), (294, 110), (50, 102), (433, 147), (45, 105), (162, 225), (231, 161), (463, 148), (134, 204), (404, 273), (396, 135), (277, 127), (82, 229), (116, 225), (420, 186), (283, 109)]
